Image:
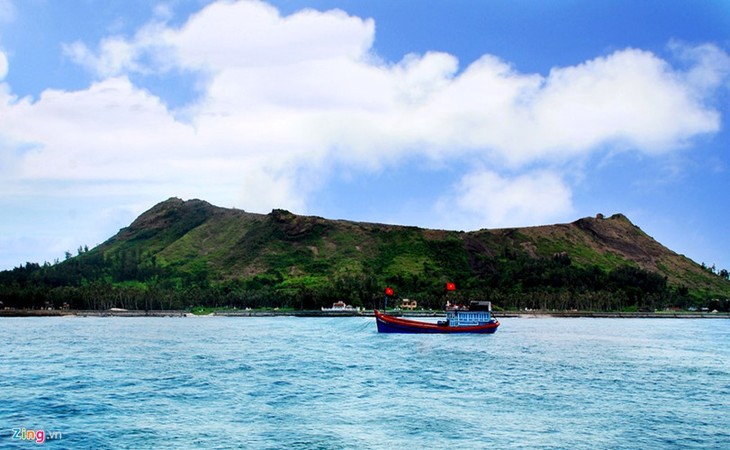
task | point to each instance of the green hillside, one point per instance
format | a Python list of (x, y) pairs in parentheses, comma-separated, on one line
[(185, 253)]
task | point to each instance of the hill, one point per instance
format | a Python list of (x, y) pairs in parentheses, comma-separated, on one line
[(184, 253)]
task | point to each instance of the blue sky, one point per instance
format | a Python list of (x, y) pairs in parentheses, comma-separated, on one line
[(458, 115)]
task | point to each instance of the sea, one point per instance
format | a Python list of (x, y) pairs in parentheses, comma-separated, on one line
[(335, 383)]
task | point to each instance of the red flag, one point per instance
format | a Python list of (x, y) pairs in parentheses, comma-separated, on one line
[(450, 286), (389, 291)]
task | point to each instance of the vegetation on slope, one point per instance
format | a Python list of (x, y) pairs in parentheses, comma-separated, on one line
[(180, 254)]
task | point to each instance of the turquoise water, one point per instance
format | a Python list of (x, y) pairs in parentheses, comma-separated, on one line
[(331, 383)]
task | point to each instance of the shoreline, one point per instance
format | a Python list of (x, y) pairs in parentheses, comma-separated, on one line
[(367, 313)]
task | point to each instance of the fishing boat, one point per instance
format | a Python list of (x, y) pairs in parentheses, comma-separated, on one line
[(477, 318)]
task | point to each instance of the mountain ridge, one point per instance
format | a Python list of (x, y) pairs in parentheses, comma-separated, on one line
[(186, 252), (615, 239)]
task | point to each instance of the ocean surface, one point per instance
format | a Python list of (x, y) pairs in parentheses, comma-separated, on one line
[(335, 383)]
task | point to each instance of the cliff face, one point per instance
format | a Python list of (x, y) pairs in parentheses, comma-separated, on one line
[(231, 244)]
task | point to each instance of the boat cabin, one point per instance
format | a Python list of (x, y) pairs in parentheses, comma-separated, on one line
[(478, 313)]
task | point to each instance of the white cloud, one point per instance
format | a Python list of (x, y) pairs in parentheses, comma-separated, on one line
[(709, 66), (250, 34), (631, 98), (116, 56), (485, 199), (287, 98), (110, 131), (418, 78)]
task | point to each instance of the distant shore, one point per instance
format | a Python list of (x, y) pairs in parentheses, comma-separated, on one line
[(355, 313)]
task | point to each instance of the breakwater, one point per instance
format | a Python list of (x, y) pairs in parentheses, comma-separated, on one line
[(355, 313), (616, 315), (90, 313)]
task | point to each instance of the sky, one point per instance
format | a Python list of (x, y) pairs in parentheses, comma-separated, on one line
[(457, 115)]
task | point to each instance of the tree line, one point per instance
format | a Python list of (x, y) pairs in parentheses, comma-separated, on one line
[(131, 279)]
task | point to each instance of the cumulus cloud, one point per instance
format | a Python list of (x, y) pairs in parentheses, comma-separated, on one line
[(252, 34), (484, 198), (630, 98), (709, 66), (288, 98), (115, 56)]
